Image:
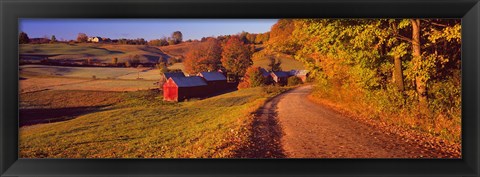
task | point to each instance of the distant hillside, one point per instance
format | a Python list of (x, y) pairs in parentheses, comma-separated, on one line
[(178, 50), (100, 52)]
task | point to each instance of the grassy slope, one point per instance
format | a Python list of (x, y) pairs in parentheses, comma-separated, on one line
[(144, 126), (179, 49), (102, 52)]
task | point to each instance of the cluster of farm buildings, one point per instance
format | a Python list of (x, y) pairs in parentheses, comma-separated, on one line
[(178, 87)]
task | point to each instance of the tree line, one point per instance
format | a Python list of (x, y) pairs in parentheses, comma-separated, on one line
[(176, 38), (231, 54)]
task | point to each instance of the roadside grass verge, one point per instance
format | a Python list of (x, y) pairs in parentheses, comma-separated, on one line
[(143, 126)]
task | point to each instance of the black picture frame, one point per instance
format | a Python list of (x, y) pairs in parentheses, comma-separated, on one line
[(11, 11)]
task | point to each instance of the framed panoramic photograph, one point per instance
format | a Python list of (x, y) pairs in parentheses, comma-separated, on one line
[(239, 88)]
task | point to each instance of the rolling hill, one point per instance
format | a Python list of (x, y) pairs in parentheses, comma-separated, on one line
[(100, 52), (141, 125)]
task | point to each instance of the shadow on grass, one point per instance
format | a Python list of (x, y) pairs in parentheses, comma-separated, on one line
[(221, 92), (46, 115), (264, 142)]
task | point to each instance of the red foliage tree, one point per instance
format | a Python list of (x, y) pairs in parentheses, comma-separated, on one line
[(204, 57)]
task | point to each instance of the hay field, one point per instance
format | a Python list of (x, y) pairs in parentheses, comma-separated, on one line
[(99, 52)]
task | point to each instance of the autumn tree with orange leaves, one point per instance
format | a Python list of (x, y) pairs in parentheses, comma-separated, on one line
[(253, 78), (281, 39), (204, 57), (236, 56)]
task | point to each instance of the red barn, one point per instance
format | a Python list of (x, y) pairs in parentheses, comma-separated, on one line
[(181, 88)]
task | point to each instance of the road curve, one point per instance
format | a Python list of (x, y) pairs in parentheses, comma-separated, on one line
[(292, 126)]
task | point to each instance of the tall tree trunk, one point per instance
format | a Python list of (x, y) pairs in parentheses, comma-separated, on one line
[(420, 83), (398, 73)]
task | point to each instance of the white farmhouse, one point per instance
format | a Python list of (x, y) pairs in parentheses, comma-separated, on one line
[(95, 39)]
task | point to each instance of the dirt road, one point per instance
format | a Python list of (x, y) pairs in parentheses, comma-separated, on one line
[(292, 126)]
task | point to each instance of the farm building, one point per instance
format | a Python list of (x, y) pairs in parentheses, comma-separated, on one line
[(266, 75), (181, 88), (166, 76), (95, 39), (302, 74), (215, 80), (173, 74), (280, 77)]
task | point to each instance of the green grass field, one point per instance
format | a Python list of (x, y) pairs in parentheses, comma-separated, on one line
[(142, 125)]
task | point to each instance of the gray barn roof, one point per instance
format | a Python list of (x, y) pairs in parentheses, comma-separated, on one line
[(193, 81), (281, 74), (298, 72), (265, 73), (213, 76), (174, 74)]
